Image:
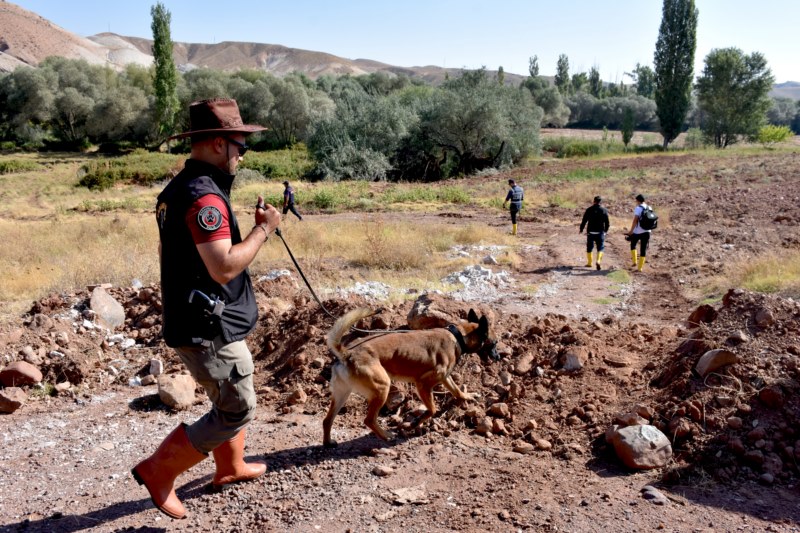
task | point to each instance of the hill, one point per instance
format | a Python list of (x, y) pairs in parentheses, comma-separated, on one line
[(26, 39), (789, 89)]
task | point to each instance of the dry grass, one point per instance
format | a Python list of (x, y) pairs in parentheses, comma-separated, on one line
[(769, 273), (66, 253)]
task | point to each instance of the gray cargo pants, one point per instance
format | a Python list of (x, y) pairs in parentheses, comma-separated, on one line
[(226, 373)]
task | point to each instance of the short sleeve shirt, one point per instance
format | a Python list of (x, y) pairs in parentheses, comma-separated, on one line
[(207, 219)]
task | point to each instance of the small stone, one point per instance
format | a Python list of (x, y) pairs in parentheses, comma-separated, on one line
[(383, 471), (11, 399), (734, 422), (504, 515), (63, 386), (156, 367), (543, 444), (524, 448), (500, 409), (298, 396), (148, 380)]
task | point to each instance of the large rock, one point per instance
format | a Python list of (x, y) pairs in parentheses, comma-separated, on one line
[(11, 399), (20, 373), (713, 360), (574, 358), (176, 390), (434, 311), (705, 314), (641, 447), (108, 311)]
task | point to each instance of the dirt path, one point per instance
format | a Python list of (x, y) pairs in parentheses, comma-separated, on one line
[(68, 470), (64, 463)]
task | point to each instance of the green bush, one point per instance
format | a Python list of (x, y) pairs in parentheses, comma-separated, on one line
[(288, 164), (770, 135), (8, 145), (695, 139), (140, 168), (11, 166), (647, 148), (580, 149)]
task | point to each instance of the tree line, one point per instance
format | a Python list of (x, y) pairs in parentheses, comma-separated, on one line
[(381, 126)]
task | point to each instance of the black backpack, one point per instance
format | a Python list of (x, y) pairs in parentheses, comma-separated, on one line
[(648, 220)]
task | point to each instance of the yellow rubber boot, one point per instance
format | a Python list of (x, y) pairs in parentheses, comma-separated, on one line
[(588, 259), (641, 263), (599, 259), (633, 257), (513, 229)]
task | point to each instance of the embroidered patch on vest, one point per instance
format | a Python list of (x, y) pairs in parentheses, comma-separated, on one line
[(209, 218)]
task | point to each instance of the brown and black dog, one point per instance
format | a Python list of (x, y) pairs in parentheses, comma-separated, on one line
[(423, 357)]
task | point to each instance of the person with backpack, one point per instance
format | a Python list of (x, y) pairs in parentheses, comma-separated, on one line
[(515, 196), (644, 221), (596, 217)]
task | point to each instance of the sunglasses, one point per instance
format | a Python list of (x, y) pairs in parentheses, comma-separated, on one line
[(243, 148)]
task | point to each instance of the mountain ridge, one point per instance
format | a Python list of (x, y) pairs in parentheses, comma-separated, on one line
[(26, 39)]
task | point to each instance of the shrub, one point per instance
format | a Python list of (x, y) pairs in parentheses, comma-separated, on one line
[(8, 145), (290, 163), (695, 139), (580, 149), (140, 167), (17, 165), (647, 148), (246, 176), (770, 135)]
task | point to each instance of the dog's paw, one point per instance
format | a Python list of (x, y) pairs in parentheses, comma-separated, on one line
[(330, 444), (471, 396)]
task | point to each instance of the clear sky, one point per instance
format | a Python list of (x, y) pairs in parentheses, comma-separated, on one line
[(613, 35)]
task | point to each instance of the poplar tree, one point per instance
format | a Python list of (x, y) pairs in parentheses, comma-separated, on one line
[(561, 79), (533, 66), (165, 81), (674, 65)]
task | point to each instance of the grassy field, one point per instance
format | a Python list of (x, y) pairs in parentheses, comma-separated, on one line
[(61, 236)]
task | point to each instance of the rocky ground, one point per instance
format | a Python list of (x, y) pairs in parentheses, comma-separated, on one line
[(582, 352)]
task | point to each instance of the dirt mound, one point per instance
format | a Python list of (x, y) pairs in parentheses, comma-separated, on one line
[(741, 420), (560, 385)]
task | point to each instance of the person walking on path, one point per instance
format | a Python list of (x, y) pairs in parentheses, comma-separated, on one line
[(288, 200), (637, 234), (595, 219), (515, 196), (209, 306)]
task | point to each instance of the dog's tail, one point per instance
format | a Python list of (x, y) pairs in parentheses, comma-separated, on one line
[(342, 325)]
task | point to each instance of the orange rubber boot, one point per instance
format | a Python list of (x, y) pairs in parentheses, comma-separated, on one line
[(159, 471), (231, 468)]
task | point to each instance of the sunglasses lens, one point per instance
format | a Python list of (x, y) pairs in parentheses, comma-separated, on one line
[(239, 146)]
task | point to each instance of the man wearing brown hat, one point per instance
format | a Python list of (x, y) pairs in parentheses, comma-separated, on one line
[(208, 302)]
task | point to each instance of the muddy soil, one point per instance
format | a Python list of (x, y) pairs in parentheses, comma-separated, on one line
[(545, 466)]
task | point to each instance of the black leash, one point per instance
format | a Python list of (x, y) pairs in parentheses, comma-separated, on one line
[(300, 271)]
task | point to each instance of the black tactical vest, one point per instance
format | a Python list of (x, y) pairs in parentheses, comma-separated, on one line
[(183, 270)]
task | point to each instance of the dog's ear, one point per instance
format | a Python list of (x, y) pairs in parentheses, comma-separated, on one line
[(483, 327), (472, 316)]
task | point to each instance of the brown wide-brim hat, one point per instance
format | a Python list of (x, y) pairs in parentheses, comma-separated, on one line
[(218, 115)]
